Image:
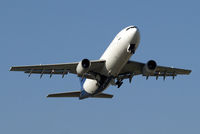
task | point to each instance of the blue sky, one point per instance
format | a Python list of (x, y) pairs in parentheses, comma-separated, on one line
[(45, 32)]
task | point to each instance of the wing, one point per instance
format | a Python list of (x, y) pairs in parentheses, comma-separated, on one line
[(136, 68), (62, 69)]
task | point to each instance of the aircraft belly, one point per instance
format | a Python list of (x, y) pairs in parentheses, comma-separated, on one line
[(93, 88), (116, 58), (114, 66)]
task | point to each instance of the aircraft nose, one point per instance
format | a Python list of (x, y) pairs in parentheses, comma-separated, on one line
[(135, 35), (138, 34), (137, 29)]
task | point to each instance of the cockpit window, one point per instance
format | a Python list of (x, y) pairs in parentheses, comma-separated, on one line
[(130, 28)]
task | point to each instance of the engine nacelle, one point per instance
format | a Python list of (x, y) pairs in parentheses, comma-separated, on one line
[(150, 67), (83, 67)]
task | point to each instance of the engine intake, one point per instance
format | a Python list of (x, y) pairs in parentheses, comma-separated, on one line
[(83, 67), (149, 67)]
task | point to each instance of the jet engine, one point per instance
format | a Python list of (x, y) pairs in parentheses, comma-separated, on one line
[(83, 67), (150, 67)]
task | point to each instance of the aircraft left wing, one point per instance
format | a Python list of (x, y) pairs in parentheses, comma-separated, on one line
[(136, 68), (61, 69)]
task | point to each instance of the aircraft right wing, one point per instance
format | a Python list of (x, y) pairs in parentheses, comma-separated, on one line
[(61, 69)]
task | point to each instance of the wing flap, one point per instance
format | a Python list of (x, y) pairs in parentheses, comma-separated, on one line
[(171, 71), (47, 69)]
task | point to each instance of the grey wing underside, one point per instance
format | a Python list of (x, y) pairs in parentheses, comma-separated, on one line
[(61, 69), (136, 68)]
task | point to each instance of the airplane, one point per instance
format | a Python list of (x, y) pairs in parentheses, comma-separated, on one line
[(111, 69)]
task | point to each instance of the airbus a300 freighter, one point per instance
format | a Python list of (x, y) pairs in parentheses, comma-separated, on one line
[(111, 69)]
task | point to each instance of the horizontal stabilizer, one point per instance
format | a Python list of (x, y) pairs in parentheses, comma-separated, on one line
[(102, 95), (67, 94), (77, 94)]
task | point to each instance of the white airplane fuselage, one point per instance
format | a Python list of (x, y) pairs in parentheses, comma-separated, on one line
[(116, 56)]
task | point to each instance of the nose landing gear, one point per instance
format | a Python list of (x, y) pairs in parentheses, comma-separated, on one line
[(131, 48)]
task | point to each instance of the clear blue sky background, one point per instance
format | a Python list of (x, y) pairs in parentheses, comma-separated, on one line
[(47, 31)]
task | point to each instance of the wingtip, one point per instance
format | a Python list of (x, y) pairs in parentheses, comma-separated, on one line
[(189, 71), (10, 68), (48, 96)]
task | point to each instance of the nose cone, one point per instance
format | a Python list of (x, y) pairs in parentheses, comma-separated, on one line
[(135, 35)]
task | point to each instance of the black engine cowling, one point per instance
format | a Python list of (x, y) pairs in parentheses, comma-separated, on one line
[(149, 67), (83, 67)]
